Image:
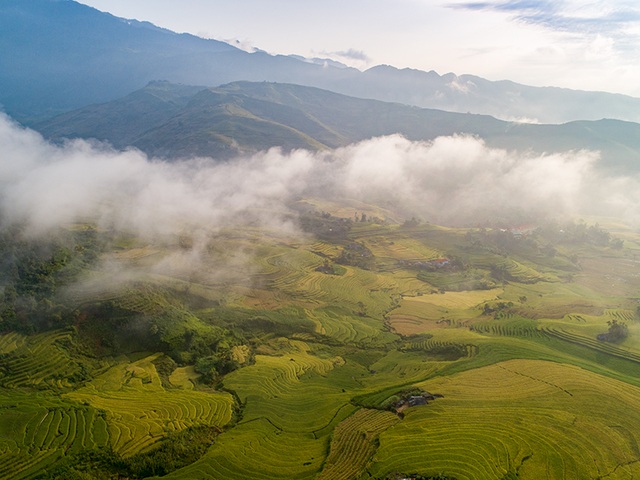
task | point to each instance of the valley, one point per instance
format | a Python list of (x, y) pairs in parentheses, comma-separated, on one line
[(298, 357)]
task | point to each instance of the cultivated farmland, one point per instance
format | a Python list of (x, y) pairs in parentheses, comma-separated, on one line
[(388, 350)]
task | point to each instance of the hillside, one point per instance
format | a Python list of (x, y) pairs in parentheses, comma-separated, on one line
[(171, 121), (370, 351), (58, 55), (306, 316)]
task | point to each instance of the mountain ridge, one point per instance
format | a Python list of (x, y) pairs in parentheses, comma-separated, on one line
[(56, 56), (176, 121)]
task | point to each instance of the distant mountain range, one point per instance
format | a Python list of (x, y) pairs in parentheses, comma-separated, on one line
[(171, 120), (59, 55)]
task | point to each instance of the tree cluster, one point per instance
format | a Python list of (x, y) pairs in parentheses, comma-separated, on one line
[(356, 255), (176, 451), (617, 332), (499, 309), (580, 233), (32, 273), (325, 226)]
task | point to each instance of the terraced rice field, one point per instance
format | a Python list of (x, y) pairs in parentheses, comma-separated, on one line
[(510, 328), (523, 273), (355, 285), (347, 327), (401, 247), (610, 275), (259, 451), (184, 377), (353, 443), (594, 344), (38, 360), (516, 270), (291, 272), (292, 402), (427, 312), (292, 391), (533, 418), (458, 300), (531, 392), (400, 368), (139, 411), (324, 249), (11, 341), (38, 430), (621, 315)]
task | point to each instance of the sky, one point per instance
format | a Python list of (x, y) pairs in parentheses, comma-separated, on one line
[(586, 45)]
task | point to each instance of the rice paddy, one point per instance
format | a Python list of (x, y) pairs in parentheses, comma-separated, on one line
[(36, 431), (353, 443), (323, 355), (530, 418), (139, 411), (37, 361)]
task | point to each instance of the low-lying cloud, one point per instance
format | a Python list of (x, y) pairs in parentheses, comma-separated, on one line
[(453, 180)]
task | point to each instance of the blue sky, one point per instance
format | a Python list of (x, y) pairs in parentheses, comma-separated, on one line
[(589, 45)]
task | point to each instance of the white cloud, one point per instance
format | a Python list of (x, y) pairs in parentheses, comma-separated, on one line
[(452, 180)]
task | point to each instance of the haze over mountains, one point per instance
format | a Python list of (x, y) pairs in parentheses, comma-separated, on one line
[(170, 120), (58, 55)]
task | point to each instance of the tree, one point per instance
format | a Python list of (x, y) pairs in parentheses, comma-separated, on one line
[(413, 222), (617, 243), (206, 367), (618, 331)]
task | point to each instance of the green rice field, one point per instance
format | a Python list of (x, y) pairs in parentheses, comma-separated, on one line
[(301, 363)]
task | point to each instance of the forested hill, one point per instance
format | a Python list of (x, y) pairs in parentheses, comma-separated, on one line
[(171, 120)]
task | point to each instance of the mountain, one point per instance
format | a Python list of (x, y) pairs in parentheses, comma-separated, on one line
[(170, 120), (502, 99), (123, 120), (59, 55)]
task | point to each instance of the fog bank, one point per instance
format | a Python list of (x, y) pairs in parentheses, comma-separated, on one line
[(453, 180)]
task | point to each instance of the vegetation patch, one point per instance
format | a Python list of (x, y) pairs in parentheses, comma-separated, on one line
[(357, 255)]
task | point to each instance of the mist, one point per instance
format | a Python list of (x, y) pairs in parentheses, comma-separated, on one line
[(454, 180)]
